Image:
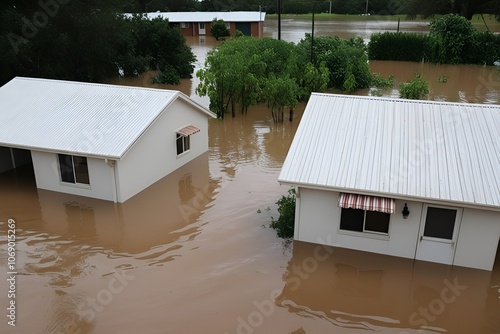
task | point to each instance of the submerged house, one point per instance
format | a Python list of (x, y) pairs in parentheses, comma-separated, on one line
[(200, 23), (414, 179), (101, 141)]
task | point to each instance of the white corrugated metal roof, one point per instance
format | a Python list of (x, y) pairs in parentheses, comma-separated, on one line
[(79, 118), (209, 16), (398, 148)]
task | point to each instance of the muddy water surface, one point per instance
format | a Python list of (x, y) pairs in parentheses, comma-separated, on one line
[(190, 253)]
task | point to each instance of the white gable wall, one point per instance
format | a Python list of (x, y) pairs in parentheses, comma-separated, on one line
[(154, 155), (47, 177)]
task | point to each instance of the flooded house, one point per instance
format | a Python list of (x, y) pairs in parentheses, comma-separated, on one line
[(413, 179), (200, 23), (94, 140)]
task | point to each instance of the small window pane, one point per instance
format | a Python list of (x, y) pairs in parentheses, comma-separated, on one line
[(186, 143), (81, 170), (440, 223), (352, 220), (179, 142), (66, 168), (377, 221)]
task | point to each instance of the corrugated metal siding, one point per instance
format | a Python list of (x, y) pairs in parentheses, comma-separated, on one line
[(419, 149), (78, 118), (209, 16)]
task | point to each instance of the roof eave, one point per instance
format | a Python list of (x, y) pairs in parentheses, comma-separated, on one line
[(482, 206)]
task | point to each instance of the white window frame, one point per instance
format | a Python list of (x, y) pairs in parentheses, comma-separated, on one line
[(365, 232), (75, 183), (186, 141)]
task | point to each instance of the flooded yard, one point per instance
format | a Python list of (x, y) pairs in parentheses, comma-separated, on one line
[(192, 253)]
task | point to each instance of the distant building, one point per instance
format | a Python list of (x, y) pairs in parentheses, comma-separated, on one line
[(200, 23), (415, 179), (101, 141)]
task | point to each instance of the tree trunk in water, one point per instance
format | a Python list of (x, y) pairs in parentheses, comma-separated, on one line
[(291, 114), (233, 113)]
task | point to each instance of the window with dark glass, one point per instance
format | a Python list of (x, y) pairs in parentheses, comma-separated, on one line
[(73, 169), (182, 143), (358, 220), (440, 223)]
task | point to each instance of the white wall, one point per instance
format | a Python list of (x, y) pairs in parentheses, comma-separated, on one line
[(318, 220), (319, 217), (47, 177), (154, 155), (478, 239)]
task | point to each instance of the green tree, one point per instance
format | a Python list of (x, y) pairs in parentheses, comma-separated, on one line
[(219, 29), (453, 33), (245, 71), (466, 8), (86, 40), (415, 89), (346, 60), (278, 93)]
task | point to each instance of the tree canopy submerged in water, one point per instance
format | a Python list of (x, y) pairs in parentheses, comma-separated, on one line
[(86, 40)]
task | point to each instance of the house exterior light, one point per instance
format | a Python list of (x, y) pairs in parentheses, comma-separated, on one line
[(405, 211)]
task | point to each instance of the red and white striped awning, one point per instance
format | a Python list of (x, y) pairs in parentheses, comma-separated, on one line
[(370, 203), (188, 130)]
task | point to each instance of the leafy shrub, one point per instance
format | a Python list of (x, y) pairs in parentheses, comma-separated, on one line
[(285, 223), (346, 60), (219, 29), (167, 75), (379, 82), (452, 40), (398, 46), (416, 89)]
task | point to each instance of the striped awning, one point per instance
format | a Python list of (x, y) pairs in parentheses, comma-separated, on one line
[(188, 130), (370, 203)]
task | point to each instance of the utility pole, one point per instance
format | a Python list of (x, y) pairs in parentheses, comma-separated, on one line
[(312, 33), (260, 20), (366, 10), (279, 20)]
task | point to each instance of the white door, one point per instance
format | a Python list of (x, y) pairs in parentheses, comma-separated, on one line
[(438, 233), (201, 27)]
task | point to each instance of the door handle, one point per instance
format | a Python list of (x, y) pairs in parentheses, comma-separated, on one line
[(453, 244), (421, 237)]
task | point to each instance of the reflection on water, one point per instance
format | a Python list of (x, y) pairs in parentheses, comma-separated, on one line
[(364, 291), (190, 253), (293, 30)]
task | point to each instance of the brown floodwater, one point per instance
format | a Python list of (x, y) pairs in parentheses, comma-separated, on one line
[(192, 253)]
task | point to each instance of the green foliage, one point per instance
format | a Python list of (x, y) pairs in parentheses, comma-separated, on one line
[(219, 29), (238, 34), (453, 33), (285, 223), (167, 75), (452, 40), (160, 45), (379, 82), (346, 60), (398, 46), (416, 89), (80, 42), (443, 79), (245, 71), (466, 8)]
